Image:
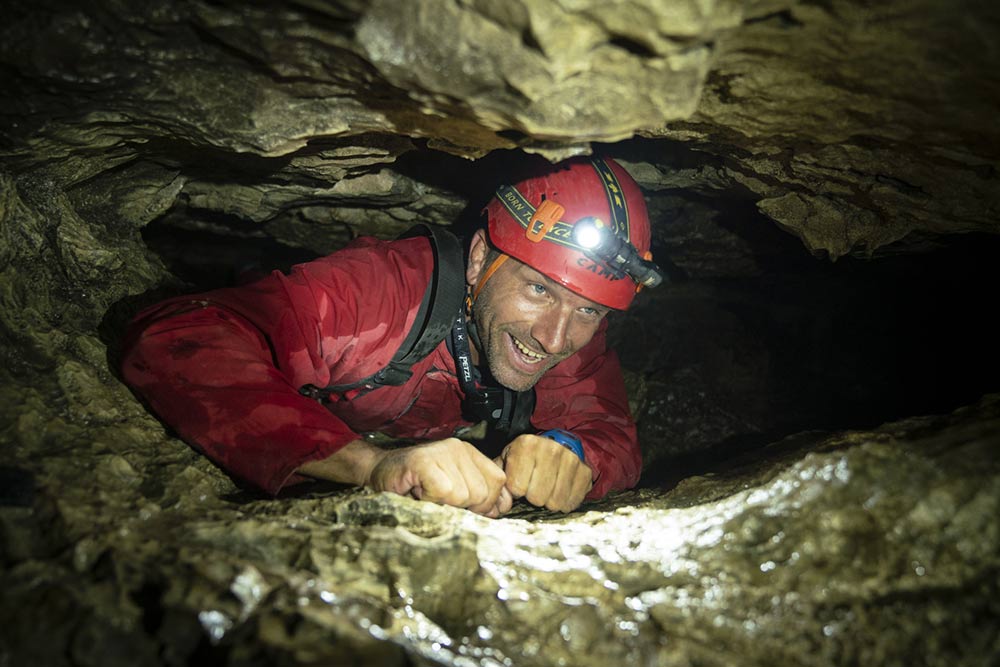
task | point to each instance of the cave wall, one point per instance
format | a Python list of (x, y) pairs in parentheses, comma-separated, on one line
[(138, 137), (144, 144)]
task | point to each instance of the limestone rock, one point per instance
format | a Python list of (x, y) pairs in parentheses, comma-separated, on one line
[(876, 546), (148, 148), (857, 125), (853, 127)]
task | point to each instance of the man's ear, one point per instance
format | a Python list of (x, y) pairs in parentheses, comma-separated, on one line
[(478, 249)]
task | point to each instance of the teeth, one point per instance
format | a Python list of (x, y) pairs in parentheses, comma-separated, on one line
[(534, 356)]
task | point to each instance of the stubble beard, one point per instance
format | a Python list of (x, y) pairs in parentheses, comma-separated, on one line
[(495, 341)]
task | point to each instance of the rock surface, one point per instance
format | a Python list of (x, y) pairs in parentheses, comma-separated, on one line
[(853, 127), (149, 148), (856, 125), (865, 547)]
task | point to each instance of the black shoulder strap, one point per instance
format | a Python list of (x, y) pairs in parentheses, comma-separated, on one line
[(441, 301), (445, 294)]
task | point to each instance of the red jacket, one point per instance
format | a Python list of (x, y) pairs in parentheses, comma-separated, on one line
[(223, 368)]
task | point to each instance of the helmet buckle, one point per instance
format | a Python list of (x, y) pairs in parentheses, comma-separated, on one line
[(543, 220)]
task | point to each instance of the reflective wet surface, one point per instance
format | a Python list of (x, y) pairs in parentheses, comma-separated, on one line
[(877, 547)]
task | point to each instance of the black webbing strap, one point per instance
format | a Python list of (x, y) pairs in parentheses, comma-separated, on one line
[(616, 198), (520, 418), (447, 294), (504, 410), (442, 299)]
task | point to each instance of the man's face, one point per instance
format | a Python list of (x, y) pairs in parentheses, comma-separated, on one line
[(527, 323)]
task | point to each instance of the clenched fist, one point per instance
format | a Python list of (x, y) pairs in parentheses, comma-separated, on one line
[(449, 472), (546, 473)]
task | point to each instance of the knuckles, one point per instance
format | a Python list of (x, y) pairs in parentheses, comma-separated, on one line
[(532, 464), (536, 498), (455, 487), (477, 496)]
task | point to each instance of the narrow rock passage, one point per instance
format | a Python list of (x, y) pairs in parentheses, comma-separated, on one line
[(868, 547)]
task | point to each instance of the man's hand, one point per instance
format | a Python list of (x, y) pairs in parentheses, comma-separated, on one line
[(449, 472), (546, 473)]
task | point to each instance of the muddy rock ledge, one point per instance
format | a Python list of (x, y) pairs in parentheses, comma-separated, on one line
[(873, 548)]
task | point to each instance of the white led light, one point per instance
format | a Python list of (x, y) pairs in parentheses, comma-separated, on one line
[(587, 234)]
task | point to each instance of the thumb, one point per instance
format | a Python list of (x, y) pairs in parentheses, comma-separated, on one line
[(505, 501), (501, 460)]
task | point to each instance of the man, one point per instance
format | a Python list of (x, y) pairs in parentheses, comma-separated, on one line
[(235, 370)]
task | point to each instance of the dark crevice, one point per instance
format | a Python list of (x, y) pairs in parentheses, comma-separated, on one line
[(529, 40), (815, 345), (633, 46), (784, 19)]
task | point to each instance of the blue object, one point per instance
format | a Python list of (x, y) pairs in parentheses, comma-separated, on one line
[(566, 439)]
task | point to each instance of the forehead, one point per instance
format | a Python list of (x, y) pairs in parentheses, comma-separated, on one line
[(523, 272)]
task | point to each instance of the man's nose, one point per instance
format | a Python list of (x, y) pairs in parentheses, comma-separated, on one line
[(551, 330)]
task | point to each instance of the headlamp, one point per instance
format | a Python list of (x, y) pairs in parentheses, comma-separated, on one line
[(589, 233), (601, 244)]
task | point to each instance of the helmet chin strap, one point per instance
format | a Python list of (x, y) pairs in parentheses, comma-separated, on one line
[(470, 299), (490, 270)]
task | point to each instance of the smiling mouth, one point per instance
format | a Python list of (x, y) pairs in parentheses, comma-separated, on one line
[(529, 355)]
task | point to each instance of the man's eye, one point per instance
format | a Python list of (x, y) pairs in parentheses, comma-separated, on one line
[(593, 313), (537, 289)]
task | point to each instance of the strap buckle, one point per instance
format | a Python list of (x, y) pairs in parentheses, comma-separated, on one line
[(543, 220)]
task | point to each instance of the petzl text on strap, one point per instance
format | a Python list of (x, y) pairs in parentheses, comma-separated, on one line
[(503, 409)]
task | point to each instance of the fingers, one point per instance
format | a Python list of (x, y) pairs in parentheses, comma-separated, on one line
[(438, 484), (546, 473), (519, 464), (583, 481), (448, 472), (486, 481), (504, 503), (453, 472), (572, 483)]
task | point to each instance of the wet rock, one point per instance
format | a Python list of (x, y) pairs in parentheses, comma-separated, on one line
[(845, 125), (131, 130), (834, 116), (875, 546)]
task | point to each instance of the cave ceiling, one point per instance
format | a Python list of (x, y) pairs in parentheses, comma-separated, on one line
[(853, 126)]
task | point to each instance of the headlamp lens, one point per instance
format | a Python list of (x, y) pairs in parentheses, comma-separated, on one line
[(588, 233)]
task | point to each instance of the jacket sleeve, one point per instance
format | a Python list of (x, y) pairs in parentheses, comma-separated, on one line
[(224, 368), (586, 394)]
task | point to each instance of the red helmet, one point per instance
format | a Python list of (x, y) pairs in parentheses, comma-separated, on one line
[(536, 220)]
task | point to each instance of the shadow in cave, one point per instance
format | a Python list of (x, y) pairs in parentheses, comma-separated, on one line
[(818, 346)]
